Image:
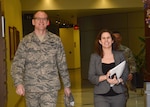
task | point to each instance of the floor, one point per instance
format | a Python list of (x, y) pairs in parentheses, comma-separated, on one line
[(83, 93)]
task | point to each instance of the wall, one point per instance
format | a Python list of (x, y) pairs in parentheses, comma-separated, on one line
[(135, 29), (13, 18), (131, 25)]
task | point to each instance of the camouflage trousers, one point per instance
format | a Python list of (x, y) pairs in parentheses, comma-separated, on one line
[(42, 99)]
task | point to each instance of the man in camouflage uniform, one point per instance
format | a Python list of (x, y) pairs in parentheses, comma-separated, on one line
[(38, 61), (130, 60)]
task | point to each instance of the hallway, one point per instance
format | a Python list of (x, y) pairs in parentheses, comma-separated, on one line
[(83, 93)]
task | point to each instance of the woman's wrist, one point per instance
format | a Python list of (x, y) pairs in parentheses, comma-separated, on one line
[(102, 78), (105, 77), (120, 80)]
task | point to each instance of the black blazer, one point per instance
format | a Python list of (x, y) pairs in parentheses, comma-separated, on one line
[(95, 70)]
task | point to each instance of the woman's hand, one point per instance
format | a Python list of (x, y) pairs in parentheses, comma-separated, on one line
[(113, 80), (103, 77)]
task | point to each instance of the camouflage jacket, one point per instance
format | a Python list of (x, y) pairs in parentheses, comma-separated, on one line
[(37, 65), (129, 58)]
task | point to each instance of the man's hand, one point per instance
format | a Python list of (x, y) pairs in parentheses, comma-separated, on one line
[(20, 90), (67, 91), (130, 77)]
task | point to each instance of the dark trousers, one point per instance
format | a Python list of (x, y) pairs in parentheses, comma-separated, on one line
[(109, 101)]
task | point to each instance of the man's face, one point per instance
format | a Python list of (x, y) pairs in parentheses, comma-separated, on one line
[(118, 38), (40, 21)]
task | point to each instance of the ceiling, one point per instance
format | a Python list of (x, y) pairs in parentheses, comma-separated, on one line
[(72, 15), (90, 12), (72, 9), (86, 12)]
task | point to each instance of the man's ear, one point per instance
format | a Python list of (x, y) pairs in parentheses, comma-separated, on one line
[(48, 23), (33, 22)]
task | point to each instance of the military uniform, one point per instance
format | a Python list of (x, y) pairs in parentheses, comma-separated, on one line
[(37, 65), (132, 67), (129, 58)]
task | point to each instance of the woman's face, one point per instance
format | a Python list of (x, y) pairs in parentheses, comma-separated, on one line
[(106, 40)]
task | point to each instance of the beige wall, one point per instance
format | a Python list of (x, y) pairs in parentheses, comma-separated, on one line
[(13, 17), (136, 29)]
